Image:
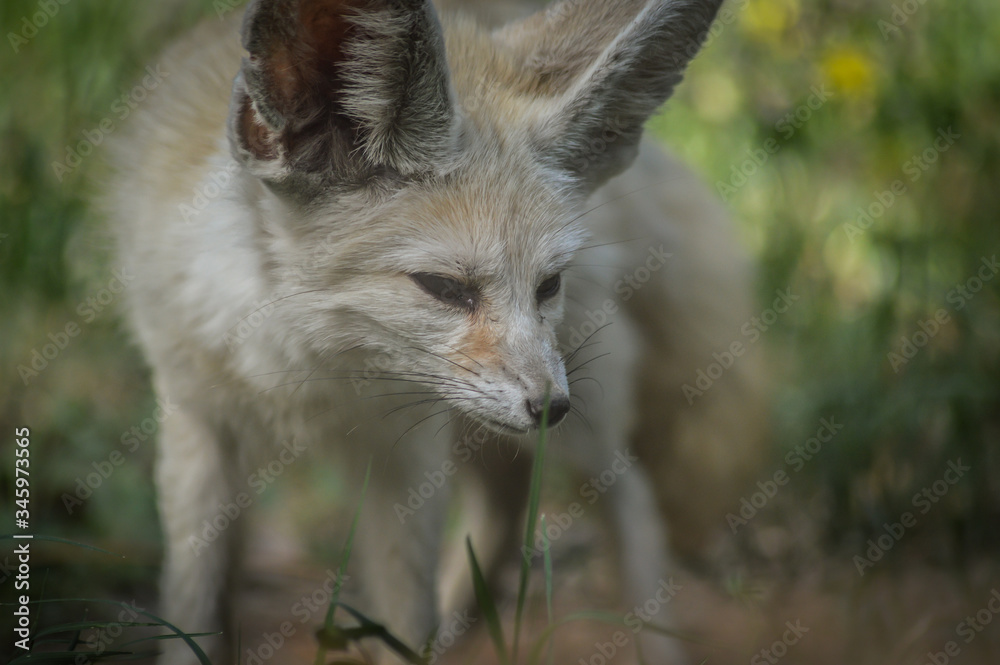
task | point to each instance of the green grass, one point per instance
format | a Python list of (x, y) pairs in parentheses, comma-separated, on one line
[(338, 637), (89, 640)]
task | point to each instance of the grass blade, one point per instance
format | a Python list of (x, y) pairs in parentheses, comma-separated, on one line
[(487, 605), (187, 637), (534, 499), (547, 558), (545, 638), (369, 628), (158, 638), (345, 557), (57, 539), (84, 625), (66, 657)]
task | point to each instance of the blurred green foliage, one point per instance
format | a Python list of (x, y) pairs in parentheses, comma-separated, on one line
[(869, 264), (869, 100)]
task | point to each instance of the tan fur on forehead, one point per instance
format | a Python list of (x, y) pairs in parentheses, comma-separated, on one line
[(519, 214), (500, 189)]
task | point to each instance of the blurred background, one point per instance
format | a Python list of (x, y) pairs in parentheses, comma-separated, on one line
[(857, 144)]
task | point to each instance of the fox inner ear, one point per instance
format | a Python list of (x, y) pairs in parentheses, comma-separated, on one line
[(340, 90), (606, 66)]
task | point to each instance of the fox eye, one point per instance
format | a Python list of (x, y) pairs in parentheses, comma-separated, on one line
[(447, 290), (549, 288)]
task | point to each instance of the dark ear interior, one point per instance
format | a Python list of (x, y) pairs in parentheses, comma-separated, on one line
[(341, 88), (607, 65)]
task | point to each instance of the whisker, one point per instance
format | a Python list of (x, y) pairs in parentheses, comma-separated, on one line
[(301, 383), (417, 424), (450, 398), (373, 378), (436, 376), (619, 198), (404, 377), (583, 347), (451, 417), (300, 293), (583, 418), (587, 362), (600, 266), (610, 243), (589, 280), (465, 354), (431, 400), (569, 358), (456, 364), (576, 300), (589, 378), (446, 423)]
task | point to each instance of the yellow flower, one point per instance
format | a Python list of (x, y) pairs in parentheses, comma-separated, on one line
[(850, 71), (768, 20)]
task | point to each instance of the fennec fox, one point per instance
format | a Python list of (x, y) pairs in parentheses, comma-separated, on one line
[(387, 210)]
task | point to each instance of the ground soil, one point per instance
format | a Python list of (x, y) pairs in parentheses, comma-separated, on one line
[(904, 610)]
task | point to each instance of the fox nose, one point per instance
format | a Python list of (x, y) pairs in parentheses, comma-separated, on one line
[(558, 408)]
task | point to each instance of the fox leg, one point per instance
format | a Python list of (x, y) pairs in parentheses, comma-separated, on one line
[(193, 481), (625, 496), (644, 562), (398, 547), (622, 490)]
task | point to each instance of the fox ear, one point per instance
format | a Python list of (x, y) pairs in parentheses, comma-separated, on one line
[(606, 66), (340, 90)]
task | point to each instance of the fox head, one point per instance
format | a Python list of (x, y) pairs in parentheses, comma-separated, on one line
[(418, 191)]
